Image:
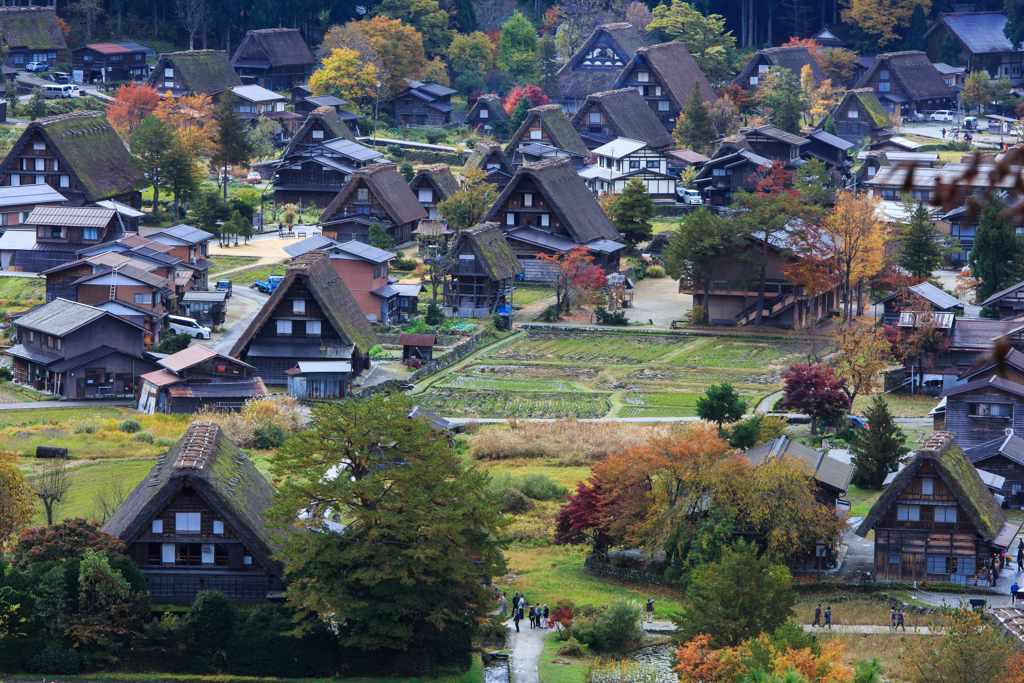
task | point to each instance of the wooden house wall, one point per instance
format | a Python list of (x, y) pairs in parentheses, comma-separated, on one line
[(98, 293), (603, 126), (212, 369), (284, 311), (601, 51), (534, 123), (122, 67), (771, 148), (833, 155), (654, 92), (530, 216), (313, 173), (412, 111), (56, 175), (971, 430), (912, 542), (424, 183), (1013, 472), (853, 129), (753, 80), (58, 285)]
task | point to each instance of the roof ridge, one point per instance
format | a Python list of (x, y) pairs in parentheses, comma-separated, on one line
[(197, 445)]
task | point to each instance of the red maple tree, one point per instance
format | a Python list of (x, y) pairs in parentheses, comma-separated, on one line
[(815, 390), (133, 103), (530, 92)]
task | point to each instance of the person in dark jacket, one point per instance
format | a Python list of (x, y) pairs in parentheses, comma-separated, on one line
[(817, 616), (516, 616), (1020, 556), (828, 617), (533, 616)]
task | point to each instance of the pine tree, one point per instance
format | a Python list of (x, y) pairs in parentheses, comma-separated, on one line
[(547, 67), (633, 213), (720, 404), (36, 105), (914, 40), (878, 450), (520, 113), (407, 171), (150, 144), (830, 126), (920, 252), (995, 249), (233, 146), (694, 129), (379, 237)]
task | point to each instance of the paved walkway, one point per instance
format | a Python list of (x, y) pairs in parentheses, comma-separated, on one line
[(869, 629), (527, 646), (42, 405)]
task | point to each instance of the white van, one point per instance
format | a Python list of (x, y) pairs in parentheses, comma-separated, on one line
[(182, 325), (59, 92)]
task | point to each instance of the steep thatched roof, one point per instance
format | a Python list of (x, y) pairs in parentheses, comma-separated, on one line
[(221, 473), (491, 103), (627, 110), (624, 38), (486, 241), (315, 271), (327, 117), (36, 28), (677, 70), (202, 71), (569, 197), (794, 59), (440, 178), (388, 186), (957, 472), (914, 71), (279, 46), (91, 151), (557, 125), (482, 152)]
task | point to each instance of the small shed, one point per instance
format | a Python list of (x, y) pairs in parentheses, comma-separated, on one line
[(319, 379), (418, 346), (206, 307)]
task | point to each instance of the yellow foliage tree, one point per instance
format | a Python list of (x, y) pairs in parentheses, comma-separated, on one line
[(882, 18), (859, 237), (344, 75), (191, 119), (16, 499), (822, 100), (436, 70), (400, 48)]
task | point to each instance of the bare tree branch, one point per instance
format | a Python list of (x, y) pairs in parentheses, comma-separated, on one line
[(191, 15), (52, 485)]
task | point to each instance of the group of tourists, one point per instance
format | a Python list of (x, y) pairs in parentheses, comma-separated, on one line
[(521, 609), (818, 614), (897, 619)]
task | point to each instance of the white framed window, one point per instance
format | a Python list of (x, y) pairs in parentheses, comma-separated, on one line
[(763, 68), (853, 113), (753, 80), (363, 194), (167, 553), (299, 306), (883, 86), (146, 299), (595, 117), (484, 113), (56, 164), (313, 328), (945, 514), (168, 72), (510, 218), (535, 134), (168, 84), (158, 526), (38, 146), (40, 165), (218, 527), (284, 328), (643, 76), (908, 513), (318, 135), (15, 180), (187, 522), (927, 487), (207, 553), (40, 180), (883, 74), (872, 171), (662, 105), (527, 199), (426, 195), (545, 220), (246, 559)]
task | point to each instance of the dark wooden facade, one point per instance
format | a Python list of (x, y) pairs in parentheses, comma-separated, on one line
[(906, 83), (374, 193), (423, 105), (274, 58), (1003, 457), (481, 269), (859, 116), (32, 34), (102, 62)]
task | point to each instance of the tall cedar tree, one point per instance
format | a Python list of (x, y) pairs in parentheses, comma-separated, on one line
[(181, 174), (695, 129), (878, 450), (233, 146), (702, 244), (816, 391), (920, 250), (720, 404), (633, 213), (520, 113), (379, 237), (547, 67), (995, 250), (403, 576), (915, 41), (830, 126), (780, 91), (151, 143)]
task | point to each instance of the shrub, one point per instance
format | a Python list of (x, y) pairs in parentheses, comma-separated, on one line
[(405, 263), (572, 648), (541, 487), (435, 136), (378, 353), (269, 436), (164, 442), (143, 437), (549, 315), (85, 428), (413, 363), (515, 502), (129, 426), (174, 343), (655, 271), (434, 315), (5, 373), (606, 318), (615, 630), (394, 150), (56, 660)]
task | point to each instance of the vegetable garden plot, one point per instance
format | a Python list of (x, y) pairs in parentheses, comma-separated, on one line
[(504, 384), (731, 354), (468, 403), (640, 404), (591, 348)]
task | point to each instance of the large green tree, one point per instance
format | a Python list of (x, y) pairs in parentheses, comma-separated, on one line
[(548, 65), (780, 92), (720, 404), (705, 36), (233, 145), (470, 52), (468, 205), (402, 530), (519, 114), (633, 212), (1014, 28), (702, 244), (695, 129), (995, 251), (920, 248), (879, 449), (427, 17), (737, 598), (150, 143), (517, 50)]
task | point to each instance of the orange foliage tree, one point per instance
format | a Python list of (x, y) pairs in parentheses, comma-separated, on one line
[(191, 119), (573, 273), (814, 267), (133, 103), (698, 662), (810, 43)]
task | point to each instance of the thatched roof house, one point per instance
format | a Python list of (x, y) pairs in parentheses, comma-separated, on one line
[(665, 75), (793, 59), (375, 193), (622, 113), (909, 81), (195, 522), (311, 315), (94, 163), (29, 32), (437, 177), (548, 125), (488, 114), (488, 156), (482, 267), (599, 60), (274, 58), (492, 252), (194, 71), (322, 124)]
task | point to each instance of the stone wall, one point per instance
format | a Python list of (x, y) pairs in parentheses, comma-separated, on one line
[(599, 568)]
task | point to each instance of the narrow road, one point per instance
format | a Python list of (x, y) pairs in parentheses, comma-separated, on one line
[(224, 344), (527, 646)]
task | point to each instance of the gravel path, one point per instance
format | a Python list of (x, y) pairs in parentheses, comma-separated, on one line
[(527, 646)]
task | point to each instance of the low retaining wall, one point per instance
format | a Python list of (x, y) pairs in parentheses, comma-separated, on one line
[(598, 568)]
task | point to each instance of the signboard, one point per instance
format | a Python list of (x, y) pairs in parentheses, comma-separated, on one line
[(77, 76)]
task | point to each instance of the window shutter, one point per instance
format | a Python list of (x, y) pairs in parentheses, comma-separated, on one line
[(167, 553)]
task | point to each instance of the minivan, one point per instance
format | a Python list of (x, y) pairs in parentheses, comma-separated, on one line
[(689, 196), (182, 325), (59, 92), (943, 115)]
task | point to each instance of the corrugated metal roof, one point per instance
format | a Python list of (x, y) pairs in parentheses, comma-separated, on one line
[(352, 150), (936, 296), (306, 366), (18, 240), (417, 339), (120, 208), (365, 251), (619, 148), (309, 244), (185, 233), (245, 389), (981, 32), (60, 317), (827, 470), (75, 216), (161, 378), (29, 194), (255, 93), (195, 295)]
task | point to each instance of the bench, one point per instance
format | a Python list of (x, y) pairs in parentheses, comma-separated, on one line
[(677, 324), (301, 235)]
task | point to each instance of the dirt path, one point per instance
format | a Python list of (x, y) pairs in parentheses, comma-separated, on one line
[(527, 646), (870, 629)]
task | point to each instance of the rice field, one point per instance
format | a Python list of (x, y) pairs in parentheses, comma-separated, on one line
[(623, 349), (643, 404), (508, 404), (504, 384), (714, 353)]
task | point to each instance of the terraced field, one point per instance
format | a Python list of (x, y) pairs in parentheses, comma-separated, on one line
[(557, 374)]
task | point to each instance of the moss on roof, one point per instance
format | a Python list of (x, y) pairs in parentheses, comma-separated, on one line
[(558, 126), (36, 28), (490, 245), (869, 100), (202, 71)]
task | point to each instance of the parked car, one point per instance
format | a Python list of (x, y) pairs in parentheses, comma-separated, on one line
[(254, 177), (182, 325), (270, 285), (224, 286), (970, 122), (689, 196), (37, 66), (943, 115)]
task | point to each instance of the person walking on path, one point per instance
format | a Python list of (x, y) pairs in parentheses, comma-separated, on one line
[(537, 612), (943, 132), (516, 616), (828, 617), (515, 601), (533, 616), (892, 619), (544, 620), (503, 601), (817, 616), (899, 621), (1020, 556), (650, 610), (1013, 593)]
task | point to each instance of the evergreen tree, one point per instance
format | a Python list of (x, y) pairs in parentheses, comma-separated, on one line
[(465, 15), (407, 171), (780, 91), (830, 126), (547, 57), (519, 114), (995, 250), (233, 145), (517, 50), (633, 213), (181, 175), (879, 449), (720, 404), (920, 251), (695, 129), (150, 144), (379, 237), (1014, 29), (914, 40), (36, 107)]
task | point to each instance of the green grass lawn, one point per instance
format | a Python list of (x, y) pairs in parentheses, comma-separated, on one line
[(22, 290), (901, 405), (88, 480), (55, 415), (861, 500), (573, 672), (661, 225), (245, 278), (527, 294), (222, 263)]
